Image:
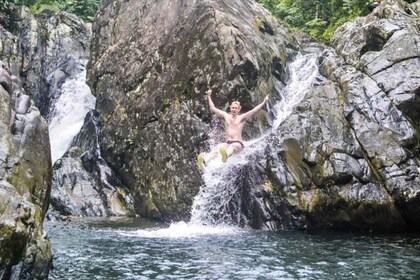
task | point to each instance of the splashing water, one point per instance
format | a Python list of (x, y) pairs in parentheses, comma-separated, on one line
[(68, 113), (216, 208), (303, 73), (182, 230), (218, 201)]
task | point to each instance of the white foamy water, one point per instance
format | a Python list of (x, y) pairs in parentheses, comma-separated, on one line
[(217, 200), (184, 230), (303, 73), (216, 208), (68, 113)]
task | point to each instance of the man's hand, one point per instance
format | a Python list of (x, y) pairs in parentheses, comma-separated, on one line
[(266, 99), (209, 91)]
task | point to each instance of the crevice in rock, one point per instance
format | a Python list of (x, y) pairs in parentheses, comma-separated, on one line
[(373, 44), (366, 157), (388, 67)]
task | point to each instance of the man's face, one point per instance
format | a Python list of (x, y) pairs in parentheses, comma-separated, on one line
[(234, 109)]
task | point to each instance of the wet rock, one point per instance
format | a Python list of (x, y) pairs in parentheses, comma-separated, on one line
[(150, 78), (25, 178), (43, 50), (83, 184), (346, 157), (24, 104), (384, 46), (359, 169), (5, 80)]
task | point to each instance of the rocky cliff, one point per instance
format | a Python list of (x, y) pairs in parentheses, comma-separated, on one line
[(348, 155), (43, 50), (150, 65), (25, 170), (37, 55), (49, 52), (25, 181)]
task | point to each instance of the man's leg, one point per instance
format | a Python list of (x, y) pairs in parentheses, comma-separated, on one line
[(205, 158), (201, 162), (223, 153), (233, 148), (214, 153), (229, 149)]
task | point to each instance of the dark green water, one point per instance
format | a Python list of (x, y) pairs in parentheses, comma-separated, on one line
[(136, 249)]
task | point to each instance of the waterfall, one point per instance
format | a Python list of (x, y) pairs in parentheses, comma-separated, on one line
[(68, 111), (218, 201), (303, 73)]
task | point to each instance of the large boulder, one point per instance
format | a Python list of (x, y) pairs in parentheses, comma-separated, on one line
[(83, 184), (49, 52), (150, 65), (25, 182), (345, 156)]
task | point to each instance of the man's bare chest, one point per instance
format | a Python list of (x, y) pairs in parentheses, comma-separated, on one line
[(234, 122)]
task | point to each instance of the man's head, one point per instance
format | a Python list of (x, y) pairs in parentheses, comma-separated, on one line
[(235, 107)]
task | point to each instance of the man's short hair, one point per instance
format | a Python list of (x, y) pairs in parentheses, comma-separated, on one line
[(236, 102)]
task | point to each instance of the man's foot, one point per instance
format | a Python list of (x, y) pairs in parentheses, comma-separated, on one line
[(222, 151), (201, 162)]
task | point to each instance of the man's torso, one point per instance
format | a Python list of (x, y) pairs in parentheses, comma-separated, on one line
[(233, 127)]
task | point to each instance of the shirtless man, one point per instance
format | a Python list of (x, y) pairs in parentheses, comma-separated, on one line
[(234, 124)]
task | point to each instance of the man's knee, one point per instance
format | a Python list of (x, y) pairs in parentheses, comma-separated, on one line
[(236, 147)]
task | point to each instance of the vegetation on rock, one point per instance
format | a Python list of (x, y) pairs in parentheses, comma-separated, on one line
[(86, 9), (319, 18)]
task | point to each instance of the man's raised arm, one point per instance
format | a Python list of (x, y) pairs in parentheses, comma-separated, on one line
[(213, 108), (250, 113)]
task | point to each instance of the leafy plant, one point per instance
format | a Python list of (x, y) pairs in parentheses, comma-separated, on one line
[(86, 9), (317, 17)]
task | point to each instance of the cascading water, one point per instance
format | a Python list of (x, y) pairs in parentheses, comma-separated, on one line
[(218, 201), (68, 112), (303, 73), (217, 207)]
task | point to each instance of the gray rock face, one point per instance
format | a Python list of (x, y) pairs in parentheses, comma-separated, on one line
[(388, 79), (346, 158), (83, 184), (25, 181), (43, 50), (48, 50), (149, 68)]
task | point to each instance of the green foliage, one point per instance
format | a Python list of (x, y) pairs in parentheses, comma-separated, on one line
[(86, 9), (318, 18)]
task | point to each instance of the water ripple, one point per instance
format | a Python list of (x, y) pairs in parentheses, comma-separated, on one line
[(112, 250)]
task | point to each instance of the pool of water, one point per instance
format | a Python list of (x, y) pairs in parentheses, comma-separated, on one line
[(139, 249)]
